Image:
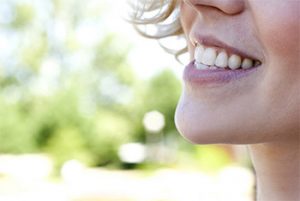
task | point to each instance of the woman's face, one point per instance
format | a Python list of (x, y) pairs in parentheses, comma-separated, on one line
[(244, 86)]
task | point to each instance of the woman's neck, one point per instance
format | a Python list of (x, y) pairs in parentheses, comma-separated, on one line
[(277, 167)]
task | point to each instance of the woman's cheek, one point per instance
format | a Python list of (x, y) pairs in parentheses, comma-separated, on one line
[(279, 29)]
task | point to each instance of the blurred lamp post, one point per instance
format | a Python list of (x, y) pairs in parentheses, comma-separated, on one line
[(154, 122)]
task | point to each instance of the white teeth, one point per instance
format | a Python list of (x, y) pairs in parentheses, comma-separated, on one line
[(209, 56), (201, 66), (247, 63), (222, 60), (234, 62), (199, 53)]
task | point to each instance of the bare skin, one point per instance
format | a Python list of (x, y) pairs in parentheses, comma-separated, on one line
[(277, 167), (260, 110)]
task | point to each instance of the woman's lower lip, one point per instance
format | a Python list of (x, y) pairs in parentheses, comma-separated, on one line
[(215, 76)]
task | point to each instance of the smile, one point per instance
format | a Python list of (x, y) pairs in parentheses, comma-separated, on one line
[(215, 63), (211, 58)]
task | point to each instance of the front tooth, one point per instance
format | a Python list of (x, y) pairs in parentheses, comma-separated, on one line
[(198, 53), (234, 61), (201, 66), (209, 56), (222, 60), (247, 63)]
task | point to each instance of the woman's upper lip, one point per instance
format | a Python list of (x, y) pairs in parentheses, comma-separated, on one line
[(212, 41)]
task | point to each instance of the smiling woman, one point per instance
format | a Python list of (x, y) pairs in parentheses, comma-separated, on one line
[(242, 83)]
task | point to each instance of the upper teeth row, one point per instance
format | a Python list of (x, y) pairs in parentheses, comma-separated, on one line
[(205, 57)]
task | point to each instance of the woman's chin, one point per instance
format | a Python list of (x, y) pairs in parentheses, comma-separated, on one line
[(209, 124), (197, 128)]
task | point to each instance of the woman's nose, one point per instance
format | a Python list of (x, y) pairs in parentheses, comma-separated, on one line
[(229, 7)]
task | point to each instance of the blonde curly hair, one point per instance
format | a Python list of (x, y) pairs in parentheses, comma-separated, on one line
[(157, 19)]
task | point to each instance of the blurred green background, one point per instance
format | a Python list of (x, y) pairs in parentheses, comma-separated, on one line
[(68, 89)]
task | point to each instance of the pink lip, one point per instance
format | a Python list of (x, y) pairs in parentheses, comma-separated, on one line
[(213, 76)]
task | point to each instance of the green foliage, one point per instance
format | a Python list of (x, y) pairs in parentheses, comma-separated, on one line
[(72, 98), (114, 48), (32, 53), (24, 15), (212, 158), (110, 131), (15, 134), (163, 93), (66, 144)]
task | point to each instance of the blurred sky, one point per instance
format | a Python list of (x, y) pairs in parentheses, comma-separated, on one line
[(146, 57)]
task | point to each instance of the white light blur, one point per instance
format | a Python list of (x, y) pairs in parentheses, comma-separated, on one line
[(132, 153), (154, 121), (45, 83), (28, 167), (71, 170), (236, 183)]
